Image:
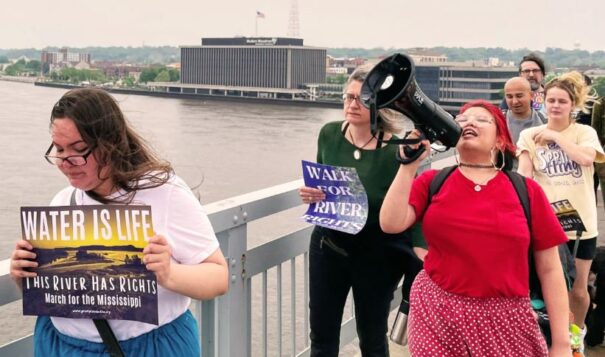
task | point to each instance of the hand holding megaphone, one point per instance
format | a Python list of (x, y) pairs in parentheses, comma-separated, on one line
[(417, 148)]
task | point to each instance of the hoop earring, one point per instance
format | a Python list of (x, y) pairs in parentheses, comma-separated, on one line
[(503, 160), (456, 157)]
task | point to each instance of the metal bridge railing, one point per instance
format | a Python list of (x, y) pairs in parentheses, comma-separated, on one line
[(272, 318)]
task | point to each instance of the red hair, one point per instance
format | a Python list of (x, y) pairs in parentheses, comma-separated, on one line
[(502, 133)]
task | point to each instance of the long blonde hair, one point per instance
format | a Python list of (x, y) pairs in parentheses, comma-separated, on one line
[(574, 84)]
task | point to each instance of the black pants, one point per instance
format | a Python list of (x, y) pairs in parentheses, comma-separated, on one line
[(595, 319), (372, 268)]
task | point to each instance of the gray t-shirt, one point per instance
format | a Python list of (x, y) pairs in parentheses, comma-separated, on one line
[(515, 126)]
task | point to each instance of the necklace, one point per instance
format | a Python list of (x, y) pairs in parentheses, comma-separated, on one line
[(478, 186), (357, 151), (477, 166)]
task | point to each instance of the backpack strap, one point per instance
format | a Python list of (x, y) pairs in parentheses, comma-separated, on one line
[(438, 181), (109, 338), (520, 186), (541, 116), (72, 198)]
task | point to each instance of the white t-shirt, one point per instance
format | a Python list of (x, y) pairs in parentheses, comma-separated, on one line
[(178, 216), (560, 177)]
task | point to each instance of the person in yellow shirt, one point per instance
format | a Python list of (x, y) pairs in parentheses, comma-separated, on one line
[(559, 155)]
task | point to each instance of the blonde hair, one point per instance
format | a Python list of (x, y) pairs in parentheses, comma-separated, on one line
[(391, 121), (574, 84)]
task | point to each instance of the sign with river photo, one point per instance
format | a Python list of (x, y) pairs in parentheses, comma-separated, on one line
[(345, 208), (90, 262)]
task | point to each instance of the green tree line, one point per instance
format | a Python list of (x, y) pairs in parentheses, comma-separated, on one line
[(554, 57), (77, 76), (21, 66), (159, 74)]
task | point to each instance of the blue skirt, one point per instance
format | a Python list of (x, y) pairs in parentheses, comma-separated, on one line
[(178, 338)]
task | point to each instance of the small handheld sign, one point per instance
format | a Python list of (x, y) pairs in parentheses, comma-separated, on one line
[(345, 208)]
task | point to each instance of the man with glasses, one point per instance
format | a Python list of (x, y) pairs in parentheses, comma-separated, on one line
[(532, 68)]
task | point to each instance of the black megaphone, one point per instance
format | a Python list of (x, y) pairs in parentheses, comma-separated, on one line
[(391, 84)]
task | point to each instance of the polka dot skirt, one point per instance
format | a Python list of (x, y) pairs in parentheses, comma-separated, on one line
[(444, 324)]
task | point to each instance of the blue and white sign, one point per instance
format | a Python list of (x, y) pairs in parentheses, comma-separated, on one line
[(345, 208)]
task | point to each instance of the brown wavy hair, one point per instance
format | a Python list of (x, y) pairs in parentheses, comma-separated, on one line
[(133, 164)]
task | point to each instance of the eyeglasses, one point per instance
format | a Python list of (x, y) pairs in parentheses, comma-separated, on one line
[(348, 98), (533, 71), (74, 160), (479, 120)]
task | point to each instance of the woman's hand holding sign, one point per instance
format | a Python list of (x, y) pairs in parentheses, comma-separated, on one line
[(310, 195), (22, 259), (156, 257)]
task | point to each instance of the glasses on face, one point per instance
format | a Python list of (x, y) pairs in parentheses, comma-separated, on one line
[(73, 160), (531, 71), (462, 120), (350, 98)]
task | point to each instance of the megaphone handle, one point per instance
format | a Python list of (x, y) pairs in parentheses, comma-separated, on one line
[(373, 115), (411, 154)]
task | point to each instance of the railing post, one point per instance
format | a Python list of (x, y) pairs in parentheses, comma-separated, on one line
[(234, 309)]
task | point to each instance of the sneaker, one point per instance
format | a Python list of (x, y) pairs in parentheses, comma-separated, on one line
[(582, 336), (576, 336)]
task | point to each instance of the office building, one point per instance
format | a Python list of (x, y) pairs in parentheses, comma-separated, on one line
[(259, 62)]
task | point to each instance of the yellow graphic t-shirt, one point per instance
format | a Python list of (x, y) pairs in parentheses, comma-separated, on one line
[(562, 178)]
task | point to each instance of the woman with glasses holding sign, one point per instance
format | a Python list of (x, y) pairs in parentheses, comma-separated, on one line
[(371, 262), (107, 162), (560, 156), (472, 298)]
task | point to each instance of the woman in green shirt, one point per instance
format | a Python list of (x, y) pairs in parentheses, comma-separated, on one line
[(371, 262)]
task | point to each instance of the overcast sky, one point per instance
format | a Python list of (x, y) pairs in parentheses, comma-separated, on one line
[(326, 23)]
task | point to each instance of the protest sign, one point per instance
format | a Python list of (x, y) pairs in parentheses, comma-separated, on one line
[(568, 217), (90, 262), (345, 208)]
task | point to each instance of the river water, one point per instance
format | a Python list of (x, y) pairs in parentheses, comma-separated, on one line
[(222, 148)]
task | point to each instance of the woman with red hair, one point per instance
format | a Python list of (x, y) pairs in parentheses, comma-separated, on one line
[(472, 298)]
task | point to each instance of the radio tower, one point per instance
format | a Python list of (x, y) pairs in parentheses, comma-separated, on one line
[(293, 26)]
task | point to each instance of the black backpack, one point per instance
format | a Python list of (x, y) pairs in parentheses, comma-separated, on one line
[(535, 289)]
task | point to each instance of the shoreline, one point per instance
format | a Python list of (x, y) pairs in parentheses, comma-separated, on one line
[(306, 103)]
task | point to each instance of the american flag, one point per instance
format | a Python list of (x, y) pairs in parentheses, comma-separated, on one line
[(260, 14)]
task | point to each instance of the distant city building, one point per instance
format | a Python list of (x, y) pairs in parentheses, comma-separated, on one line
[(64, 59), (458, 85), (342, 65), (421, 56), (595, 73), (260, 62), (336, 70), (119, 70)]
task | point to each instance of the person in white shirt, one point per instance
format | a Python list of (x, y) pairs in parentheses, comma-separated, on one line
[(107, 162)]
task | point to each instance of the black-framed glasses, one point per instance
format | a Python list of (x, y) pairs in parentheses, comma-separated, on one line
[(74, 160), (533, 71), (349, 98)]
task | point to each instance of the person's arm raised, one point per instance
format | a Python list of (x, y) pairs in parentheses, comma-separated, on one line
[(396, 214)]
